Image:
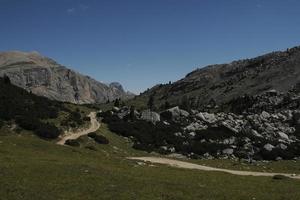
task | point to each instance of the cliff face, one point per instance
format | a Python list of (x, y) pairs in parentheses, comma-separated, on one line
[(221, 83), (45, 77)]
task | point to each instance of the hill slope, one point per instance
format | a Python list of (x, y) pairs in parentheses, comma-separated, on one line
[(20, 109), (222, 83), (45, 77)]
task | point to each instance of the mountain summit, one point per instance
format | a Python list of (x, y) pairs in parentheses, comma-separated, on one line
[(45, 77)]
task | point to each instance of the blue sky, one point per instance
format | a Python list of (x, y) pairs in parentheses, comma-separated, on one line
[(140, 43)]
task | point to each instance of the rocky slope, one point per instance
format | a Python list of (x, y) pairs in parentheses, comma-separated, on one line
[(45, 77), (221, 83), (247, 109), (264, 126)]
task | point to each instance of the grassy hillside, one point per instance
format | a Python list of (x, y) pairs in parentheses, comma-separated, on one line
[(31, 168), (44, 117)]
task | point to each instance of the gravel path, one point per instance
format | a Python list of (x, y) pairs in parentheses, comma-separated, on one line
[(95, 125), (187, 165)]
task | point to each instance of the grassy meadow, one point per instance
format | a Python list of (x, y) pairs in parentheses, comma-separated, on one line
[(32, 168)]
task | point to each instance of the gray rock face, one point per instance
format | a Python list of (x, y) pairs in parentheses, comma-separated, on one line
[(269, 147), (176, 112), (207, 117), (228, 151), (45, 77), (150, 116)]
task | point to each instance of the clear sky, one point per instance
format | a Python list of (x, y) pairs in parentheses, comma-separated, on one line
[(140, 43)]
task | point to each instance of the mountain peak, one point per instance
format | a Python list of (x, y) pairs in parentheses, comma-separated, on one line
[(45, 77)]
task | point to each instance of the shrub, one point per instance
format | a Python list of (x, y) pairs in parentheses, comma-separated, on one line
[(92, 135), (98, 138), (101, 139), (280, 177), (1, 123), (73, 143), (87, 119), (48, 131)]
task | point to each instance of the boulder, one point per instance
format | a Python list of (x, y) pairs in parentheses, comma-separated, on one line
[(176, 112), (283, 136), (150, 116), (228, 151), (268, 147), (122, 114), (265, 115), (207, 117), (282, 146), (192, 134), (194, 126)]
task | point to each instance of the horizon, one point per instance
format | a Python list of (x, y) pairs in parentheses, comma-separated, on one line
[(140, 43)]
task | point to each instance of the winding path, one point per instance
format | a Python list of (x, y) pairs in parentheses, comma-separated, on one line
[(187, 165), (95, 125)]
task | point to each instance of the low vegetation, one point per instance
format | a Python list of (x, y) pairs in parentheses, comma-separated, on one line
[(81, 173), (34, 113)]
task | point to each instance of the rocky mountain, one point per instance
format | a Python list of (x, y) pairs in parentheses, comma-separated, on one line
[(218, 84), (248, 109), (264, 126), (45, 77)]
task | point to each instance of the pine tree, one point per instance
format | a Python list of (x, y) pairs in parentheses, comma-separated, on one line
[(150, 103)]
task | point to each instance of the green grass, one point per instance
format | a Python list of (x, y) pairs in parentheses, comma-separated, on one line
[(31, 168)]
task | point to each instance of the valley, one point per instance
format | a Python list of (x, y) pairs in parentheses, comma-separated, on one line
[(147, 147)]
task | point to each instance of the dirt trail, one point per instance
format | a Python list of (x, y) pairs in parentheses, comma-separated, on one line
[(95, 125), (187, 165)]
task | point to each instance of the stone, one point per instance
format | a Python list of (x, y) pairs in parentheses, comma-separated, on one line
[(282, 146), (230, 141), (176, 112), (228, 151), (283, 136), (192, 134), (265, 115), (116, 109), (122, 114), (268, 147), (207, 117), (194, 126), (150, 116), (178, 134), (255, 133)]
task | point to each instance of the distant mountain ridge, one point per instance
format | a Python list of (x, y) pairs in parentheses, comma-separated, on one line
[(45, 77), (223, 82)]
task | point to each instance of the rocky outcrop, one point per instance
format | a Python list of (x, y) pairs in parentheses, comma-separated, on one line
[(45, 77), (262, 130), (150, 116)]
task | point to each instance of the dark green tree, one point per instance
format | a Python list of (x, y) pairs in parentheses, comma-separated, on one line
[(150, 103), (117, 103), (167, 105), (185, 103), (6, 79)]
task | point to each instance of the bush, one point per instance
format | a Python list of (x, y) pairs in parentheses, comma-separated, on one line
[(1, 123), (92, 135), (101, 139), (280, 177), (98, 138), (87, 119), (48, 131), (73, 143)]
